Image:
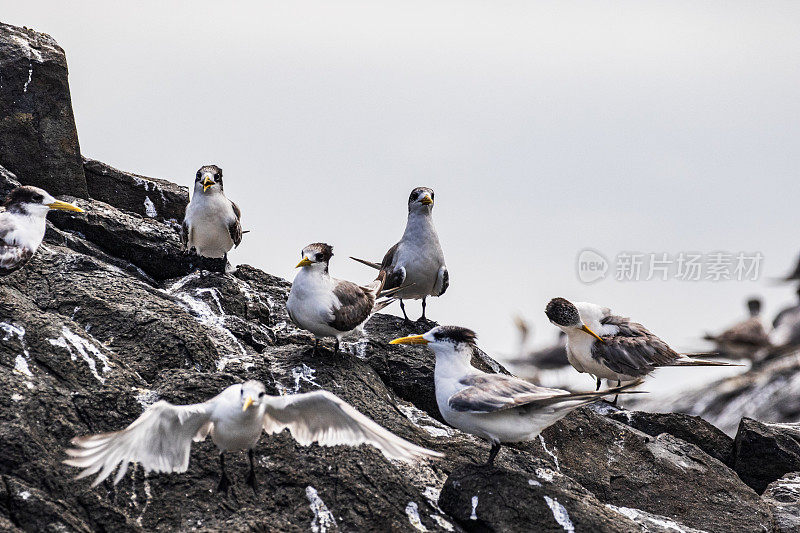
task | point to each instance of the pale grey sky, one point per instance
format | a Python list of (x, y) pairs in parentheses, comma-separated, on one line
[(544, 127)]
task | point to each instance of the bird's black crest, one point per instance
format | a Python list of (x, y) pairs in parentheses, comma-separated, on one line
[(754, 305), (23, 195), (322, 251), (562, 312), (456, 335), (417, 193)]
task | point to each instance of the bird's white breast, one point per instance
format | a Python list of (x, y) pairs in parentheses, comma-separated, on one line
[(235, 429), (310, 302), (26, 231), (208, 217), (420, 253)]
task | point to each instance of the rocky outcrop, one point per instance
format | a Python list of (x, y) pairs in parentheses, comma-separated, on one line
[(38, 138), (763, 453), (783, 498)]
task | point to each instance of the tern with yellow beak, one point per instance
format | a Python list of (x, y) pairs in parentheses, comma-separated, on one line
[(326, 306), (23, 224), (611, 347), (212, 223), (415, 265), (494, 407), (161, 438)]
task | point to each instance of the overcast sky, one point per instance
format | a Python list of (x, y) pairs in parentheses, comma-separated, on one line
[(544, 127)]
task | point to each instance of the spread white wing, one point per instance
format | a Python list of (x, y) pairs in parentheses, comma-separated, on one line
[(159, 440), (324, 418)]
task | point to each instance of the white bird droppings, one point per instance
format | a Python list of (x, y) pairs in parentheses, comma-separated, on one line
[(551, 454), (323, 519), (69, 341), (412, 511), (149, 207), (21, 366), (474, 514), (560, 514)]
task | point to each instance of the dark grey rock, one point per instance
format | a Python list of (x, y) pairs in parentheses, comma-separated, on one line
[(692, 429), (661, 475), (783, 498), (763, 452), (38, 139), (149, 197), (8, 182)]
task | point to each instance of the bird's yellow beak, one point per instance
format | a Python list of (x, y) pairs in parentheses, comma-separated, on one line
[(426, 200), (208, 182), (413, 339), (247, 403), (64, 206), (304, 262), (592, 333)]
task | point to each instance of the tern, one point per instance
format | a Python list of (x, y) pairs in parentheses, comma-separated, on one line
[(23, 223), (746, 338), (326, 306), (494, 407), (212, 223), (416, 263), (161, 438), (612, 347)]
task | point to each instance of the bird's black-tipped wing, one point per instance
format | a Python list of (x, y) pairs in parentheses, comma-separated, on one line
[(235, 228), (444, 276), (355, 305), (184, 233), (633, 350)]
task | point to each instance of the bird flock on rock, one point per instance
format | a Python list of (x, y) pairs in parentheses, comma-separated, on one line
[(495, 407)]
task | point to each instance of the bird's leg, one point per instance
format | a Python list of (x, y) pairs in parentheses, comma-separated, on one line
[(316, 346), (598, 385), (251, 477), (224, 482), (423, 310), (493, 453), (336, 346), (617, 396), (403, 309)]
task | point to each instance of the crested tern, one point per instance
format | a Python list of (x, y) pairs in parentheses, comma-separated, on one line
[(416, 263), (161, 438), (494, 407), (612, 347), (326, 306), (212, 223), (744, 339), (23, 224)]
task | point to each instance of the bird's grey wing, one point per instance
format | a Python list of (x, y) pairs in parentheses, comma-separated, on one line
[(487, 393), (356, 304), (235, 227), (442, 280), (324, 418), (750, 331), (394, 276), (184, 233), (633, 350), (13, 257), (159, 440)]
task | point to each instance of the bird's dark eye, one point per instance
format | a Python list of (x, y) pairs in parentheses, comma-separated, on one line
[(37, 198), (261, 394), (318, 257)]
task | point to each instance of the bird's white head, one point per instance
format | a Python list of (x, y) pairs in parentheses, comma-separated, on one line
[(570, 317), (208, 180), (421, 200), (444, 340), (33, 201), (252, 394), (316, 256)]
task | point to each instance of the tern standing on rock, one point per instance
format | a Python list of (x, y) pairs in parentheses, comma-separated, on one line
[(326, 306), (23, 223), (612, 347), (416, 263), (494, 407), (211, 226), (161, 438)]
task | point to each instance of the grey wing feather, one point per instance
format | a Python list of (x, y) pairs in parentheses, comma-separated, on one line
[(13, 257), (356, 305), (394, 276), (160, 440), (633, 350), (184, 233), (324, 418), (445, 282), (235, 228)]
